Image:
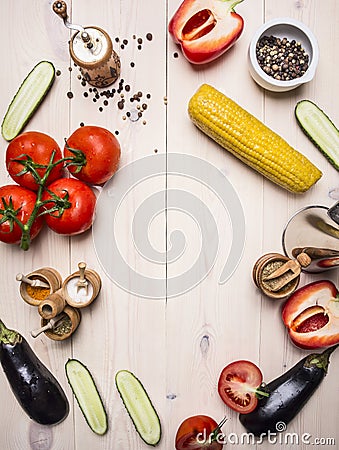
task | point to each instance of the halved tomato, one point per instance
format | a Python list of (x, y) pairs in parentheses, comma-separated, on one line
[(238, 385)]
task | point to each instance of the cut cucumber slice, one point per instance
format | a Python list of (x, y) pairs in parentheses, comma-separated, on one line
[(27, 99), (320, 129), (139, 407), (87, 395)]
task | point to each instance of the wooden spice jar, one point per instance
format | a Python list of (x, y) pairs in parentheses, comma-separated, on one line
[(66, 326), (53, 305), (34, 295), (264, 267), (77, 295)]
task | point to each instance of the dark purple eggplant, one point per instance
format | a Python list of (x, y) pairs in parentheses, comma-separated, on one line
[(33, 385), (287, 394)]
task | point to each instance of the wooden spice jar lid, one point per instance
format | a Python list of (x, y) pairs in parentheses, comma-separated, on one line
[(67, 325), (264, 267), (35, 295)]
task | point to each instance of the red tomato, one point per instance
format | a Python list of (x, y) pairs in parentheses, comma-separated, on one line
[(23, 202), (78, 215), (102, 152), (37, 146), (199, 432), (238, 384)]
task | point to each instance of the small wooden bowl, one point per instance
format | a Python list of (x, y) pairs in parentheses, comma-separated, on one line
[(73, 319), (266, 265), (79, 298), (47, 275)]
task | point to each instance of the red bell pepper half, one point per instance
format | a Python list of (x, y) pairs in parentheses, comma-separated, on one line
[(311, 315), (205, 29)]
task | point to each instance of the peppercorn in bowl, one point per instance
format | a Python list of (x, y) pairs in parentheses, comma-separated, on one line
[(283, 54)]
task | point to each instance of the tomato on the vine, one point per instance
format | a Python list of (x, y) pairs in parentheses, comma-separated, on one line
[(17, 203), (101, 151), (33, 149), (239, 384), (199, 432), (71, 206)]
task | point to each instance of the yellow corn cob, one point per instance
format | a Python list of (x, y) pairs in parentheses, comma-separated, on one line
[(250, 140)]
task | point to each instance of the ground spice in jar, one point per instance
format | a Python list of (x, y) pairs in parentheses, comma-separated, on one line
[(63, 327), (280, 58), (37, 292)]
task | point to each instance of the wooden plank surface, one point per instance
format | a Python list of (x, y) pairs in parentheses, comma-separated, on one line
[(178, 343)]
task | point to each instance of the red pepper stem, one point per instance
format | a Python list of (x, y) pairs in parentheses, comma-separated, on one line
[(233, 3)]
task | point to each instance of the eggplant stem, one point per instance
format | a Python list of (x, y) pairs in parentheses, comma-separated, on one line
[(321, 360), (7, 336)]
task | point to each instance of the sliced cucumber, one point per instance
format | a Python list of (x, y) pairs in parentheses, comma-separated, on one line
[(87, 395), (139, 407), (27, 99), (320, 129)]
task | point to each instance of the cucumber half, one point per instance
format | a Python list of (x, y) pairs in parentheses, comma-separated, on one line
[(87, 395), (27, 99), (320, 129), (139, 407)]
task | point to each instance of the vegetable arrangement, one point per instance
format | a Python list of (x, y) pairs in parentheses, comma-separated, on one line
[(206, 29), (287, 394), (67, 205)]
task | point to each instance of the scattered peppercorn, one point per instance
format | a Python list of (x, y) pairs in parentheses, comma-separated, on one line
[(139, 41), (70, 94), (280, 58), (176, 54), (132, 64), (116, 132), (149, 36), (82, 124), (58, 73), (139, 47), (125, 41)]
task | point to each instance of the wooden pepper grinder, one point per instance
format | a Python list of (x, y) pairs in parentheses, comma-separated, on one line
[(91, 49)]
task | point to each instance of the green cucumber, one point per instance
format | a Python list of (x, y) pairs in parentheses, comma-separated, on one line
[(87, 395), (139, 407), (320, 129), (27, 99)]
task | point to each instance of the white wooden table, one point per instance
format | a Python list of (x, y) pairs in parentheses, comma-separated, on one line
[(176, 346)]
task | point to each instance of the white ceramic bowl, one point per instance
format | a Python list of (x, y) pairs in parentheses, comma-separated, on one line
[(291, 29)]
